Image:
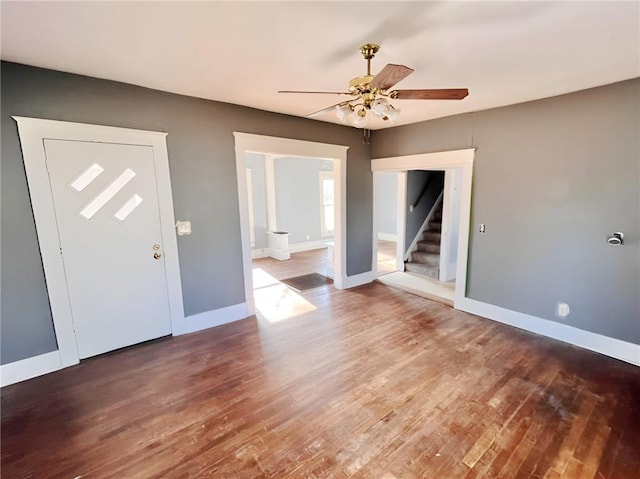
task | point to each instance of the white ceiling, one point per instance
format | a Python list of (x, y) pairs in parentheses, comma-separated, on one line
[(243, 52)]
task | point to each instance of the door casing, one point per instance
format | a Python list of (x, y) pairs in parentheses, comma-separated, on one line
[(32, 132), (443, 160), (275, 146)]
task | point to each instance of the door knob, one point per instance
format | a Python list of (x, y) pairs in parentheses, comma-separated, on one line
[(157, 255)]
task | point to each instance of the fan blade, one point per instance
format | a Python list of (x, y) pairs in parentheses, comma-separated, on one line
[(317, 92), (390, 75), (442, 94), (324, 110)]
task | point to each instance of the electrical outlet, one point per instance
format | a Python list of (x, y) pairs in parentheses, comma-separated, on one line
[(562, 310), (482, 228)]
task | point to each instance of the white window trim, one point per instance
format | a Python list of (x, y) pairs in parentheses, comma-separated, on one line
[(252, 223), (325, 175)]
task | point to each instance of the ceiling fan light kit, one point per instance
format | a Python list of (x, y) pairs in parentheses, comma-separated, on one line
[(371, 93)]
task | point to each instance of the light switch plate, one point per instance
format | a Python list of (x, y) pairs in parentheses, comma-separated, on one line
[(183, 228)]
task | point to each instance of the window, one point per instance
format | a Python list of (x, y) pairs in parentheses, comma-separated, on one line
[(252, 225), (326, 203)]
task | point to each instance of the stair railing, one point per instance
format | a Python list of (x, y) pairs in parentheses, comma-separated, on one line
[(413, 246)]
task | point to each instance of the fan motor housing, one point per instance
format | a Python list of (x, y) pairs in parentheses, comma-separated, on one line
[(360, 83)]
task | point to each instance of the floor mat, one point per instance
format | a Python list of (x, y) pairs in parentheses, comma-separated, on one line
[(307, 281)]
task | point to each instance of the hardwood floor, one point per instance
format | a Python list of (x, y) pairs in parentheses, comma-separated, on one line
[(372, 383), (386, 257), (313, 261)]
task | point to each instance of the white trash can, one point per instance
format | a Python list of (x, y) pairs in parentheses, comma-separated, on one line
[(279, 245)]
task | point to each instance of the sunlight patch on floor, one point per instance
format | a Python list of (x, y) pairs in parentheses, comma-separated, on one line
[(276, 301), (262, 279)]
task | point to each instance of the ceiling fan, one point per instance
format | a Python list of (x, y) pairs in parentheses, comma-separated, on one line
[(371, 93)]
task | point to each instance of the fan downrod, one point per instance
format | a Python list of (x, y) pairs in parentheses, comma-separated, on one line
[(368, 51)]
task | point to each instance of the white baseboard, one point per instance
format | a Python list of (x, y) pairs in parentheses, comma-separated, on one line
[(293, 248), (387, 237), (614, 348), (259, 253), (24, 369), (358, 279), (309, 245), (217, 317), (49, 362)]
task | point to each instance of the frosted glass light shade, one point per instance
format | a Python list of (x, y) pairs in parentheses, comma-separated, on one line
[(360, 118), (393, 113), (343, 112), (380, 107)]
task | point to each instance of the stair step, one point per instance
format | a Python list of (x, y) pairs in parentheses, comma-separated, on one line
[(433, 236), (429, 246), (423, 269), (423, 257), (434, 226)]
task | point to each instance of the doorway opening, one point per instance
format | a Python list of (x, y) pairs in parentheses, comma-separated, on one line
[(329, 184), (433, 204), (291, 227), (386, 186)]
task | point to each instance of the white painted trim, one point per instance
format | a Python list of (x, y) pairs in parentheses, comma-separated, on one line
[(322, 176), (216, 317), (252, 223), (374, 224), (402, 220), (444, 160), (24, 369), (359, 279), (414, 244), (309, 245), (445, 224), (387, 237), (260, 253), (432, 161), (32, 132), (270, 191), (269, 145), (614, 348), (279, 255)]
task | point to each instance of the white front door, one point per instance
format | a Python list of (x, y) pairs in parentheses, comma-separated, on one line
[(106, 207)]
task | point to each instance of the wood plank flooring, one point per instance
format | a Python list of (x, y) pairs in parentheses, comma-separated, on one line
[(372, 383)]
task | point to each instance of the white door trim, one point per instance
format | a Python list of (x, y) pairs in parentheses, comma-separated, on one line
[(444, 160), (32, 132), (401, 231), (270, 145)]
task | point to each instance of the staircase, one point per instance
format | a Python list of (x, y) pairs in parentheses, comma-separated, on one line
[(426, 259)]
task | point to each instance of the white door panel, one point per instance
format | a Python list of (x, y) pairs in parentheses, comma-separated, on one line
[(106, 206)]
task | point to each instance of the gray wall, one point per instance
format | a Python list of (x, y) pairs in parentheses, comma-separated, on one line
[(255, 161), (203, 178), (552, 178), (386, 207), (416, 181), (297, 184)]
